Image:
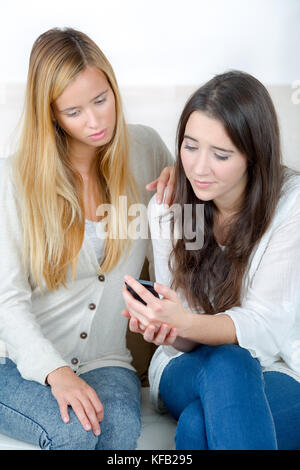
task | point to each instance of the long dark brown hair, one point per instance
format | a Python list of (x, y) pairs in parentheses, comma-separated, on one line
[(211, 278)]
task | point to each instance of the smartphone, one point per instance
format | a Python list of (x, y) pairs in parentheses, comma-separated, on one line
[(148, 284)]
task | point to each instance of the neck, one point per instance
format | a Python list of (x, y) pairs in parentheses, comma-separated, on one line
[(230, 203), (83, 160)]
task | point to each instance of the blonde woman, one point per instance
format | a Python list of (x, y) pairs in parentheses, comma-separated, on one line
[(67, 381)]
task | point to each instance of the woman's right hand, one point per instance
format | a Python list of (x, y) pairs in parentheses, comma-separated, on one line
[(69, 389)]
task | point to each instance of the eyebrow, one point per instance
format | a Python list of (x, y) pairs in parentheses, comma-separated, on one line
[(75, 107), (213, 146)]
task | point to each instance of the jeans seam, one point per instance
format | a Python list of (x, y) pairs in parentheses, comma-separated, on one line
[(28, 418), (201, 378)]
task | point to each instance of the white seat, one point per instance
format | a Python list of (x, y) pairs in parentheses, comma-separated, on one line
[(158, 430)]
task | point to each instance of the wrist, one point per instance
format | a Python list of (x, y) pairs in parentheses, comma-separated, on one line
[(57, 373), (188, 325)]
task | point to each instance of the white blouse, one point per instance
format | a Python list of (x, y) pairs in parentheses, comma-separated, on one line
[(268, 321)]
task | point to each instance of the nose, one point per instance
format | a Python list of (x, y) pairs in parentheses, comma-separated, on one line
[(91, 119), (202, 164)]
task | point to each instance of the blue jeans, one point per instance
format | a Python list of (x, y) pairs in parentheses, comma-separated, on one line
[(29, 411), (222, 400)]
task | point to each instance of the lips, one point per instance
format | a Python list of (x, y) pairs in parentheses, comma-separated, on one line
[(98, 135), (203, 184)]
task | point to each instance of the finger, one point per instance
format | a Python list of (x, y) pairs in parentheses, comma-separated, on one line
[(135, 307), (149, 333), (135, 326), (152, 185), (125, 313), (63, 408), (162, 184), (166, 292), (80, 413), (162, 334), (144, 293), (169, 196), (99, 408), (169, 193), (89, 413), (171, 336)]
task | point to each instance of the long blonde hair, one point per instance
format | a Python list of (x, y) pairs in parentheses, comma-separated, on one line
[(51, 196)]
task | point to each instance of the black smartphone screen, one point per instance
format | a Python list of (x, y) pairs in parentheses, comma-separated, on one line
[(148, 284)]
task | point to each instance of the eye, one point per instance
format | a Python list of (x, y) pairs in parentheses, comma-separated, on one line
[(73, 114), (189, 147), (100, 101), (221, 157)]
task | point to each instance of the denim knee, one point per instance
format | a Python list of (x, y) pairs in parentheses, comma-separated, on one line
[(231, 359), (121, 426), (70, 436)]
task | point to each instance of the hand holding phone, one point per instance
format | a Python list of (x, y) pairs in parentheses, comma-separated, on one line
[(148, 284)]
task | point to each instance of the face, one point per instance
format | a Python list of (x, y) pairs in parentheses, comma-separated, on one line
[(86, 111), (215, 168)]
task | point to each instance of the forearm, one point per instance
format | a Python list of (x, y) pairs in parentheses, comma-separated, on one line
[(184, 344), (207, 329)]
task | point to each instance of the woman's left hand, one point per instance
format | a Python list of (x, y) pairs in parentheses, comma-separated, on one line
[(160, 336), (165, 181), (168, 310)]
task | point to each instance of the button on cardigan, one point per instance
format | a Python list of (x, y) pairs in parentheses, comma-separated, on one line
[(43, 332)]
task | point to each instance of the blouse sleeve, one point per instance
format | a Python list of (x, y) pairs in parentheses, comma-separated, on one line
[(24, 341), (268, 311), (159, 224), (159, 219), (162, 159)]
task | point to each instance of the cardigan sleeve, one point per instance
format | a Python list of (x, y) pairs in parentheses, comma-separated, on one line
[(34, 355), (268, 312)]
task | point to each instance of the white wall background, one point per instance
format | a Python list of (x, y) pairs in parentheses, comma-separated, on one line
[(164, 41), (161, 50)]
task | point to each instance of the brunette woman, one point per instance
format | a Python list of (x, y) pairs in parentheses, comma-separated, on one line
[(228, 320)]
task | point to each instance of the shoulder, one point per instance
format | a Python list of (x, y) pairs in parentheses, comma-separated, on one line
[(160, 221), (144, 140), (157, 209), (142, 134), (142, 148), (289, 201), (148, 155)]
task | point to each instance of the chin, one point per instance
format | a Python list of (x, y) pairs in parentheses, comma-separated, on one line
[(203, 195)]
